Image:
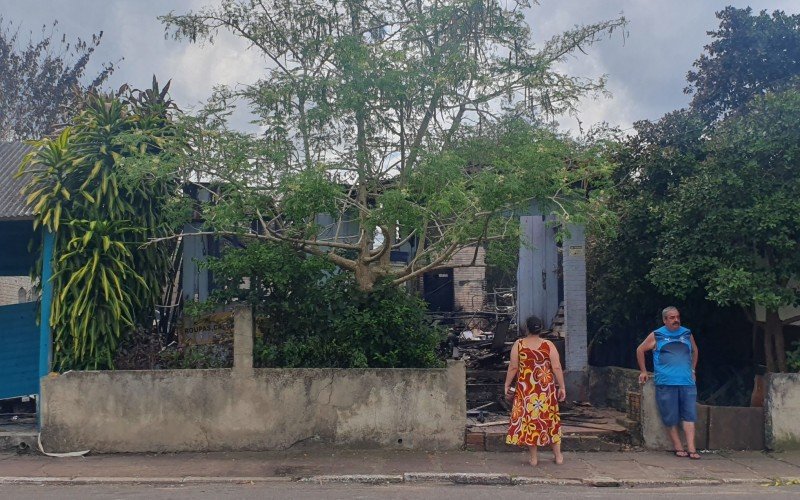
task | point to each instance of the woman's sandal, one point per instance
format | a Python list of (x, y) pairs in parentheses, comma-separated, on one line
[(693, 455), (681, 453)]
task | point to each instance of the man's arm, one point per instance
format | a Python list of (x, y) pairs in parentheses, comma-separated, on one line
[(695, 355), (648, 344)]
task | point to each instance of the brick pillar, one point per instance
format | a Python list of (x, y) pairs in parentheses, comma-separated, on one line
[(576, 362), (243, 340)]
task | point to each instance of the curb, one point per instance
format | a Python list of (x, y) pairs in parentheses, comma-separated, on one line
[(80, 480), (355, 478), (484, 479)]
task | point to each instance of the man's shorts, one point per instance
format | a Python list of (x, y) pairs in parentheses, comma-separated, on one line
[(676, 403)]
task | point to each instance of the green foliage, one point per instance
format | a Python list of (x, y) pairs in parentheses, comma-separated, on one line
[(195, 357), (707, 202), (749, 55), (793, 357), (104, 281), (41, 81), (309, 316), (623, 303), (734, 226), (364, 107)]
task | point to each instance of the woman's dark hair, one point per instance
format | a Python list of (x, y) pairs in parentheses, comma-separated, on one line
[(533, 325)]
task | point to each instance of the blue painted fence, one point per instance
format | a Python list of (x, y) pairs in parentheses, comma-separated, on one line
[(19, 355)]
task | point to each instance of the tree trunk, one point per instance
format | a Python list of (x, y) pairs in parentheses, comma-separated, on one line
[(780, 344), (774, 330), (364, 277), (769, 349)]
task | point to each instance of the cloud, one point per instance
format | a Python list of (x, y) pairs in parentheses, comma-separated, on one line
[(646, 67)]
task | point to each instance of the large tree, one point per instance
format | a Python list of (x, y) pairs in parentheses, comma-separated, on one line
[(749, 55), (733, 228), (42, 81), (365, 107)]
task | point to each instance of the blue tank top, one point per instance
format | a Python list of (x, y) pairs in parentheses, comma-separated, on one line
[(672, 357)]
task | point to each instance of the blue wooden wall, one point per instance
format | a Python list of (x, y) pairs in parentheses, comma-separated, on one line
[(19, 356)]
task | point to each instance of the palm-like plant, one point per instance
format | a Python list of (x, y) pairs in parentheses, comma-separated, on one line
[(104, 281)]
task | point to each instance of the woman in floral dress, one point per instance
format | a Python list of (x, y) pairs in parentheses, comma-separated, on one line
[(536, 368)]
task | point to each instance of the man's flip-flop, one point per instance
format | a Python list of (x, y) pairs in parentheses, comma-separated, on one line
[(694, 455), (681, 453)]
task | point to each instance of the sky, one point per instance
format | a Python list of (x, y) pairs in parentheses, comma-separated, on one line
[(645, 67)]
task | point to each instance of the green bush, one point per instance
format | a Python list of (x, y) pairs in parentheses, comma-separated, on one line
[(308, 315), (793, 357)]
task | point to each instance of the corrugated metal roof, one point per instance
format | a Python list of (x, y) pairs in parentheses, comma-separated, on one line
[(12, 203)]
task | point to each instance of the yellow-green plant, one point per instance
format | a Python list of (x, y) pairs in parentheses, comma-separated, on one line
[(97, 186)]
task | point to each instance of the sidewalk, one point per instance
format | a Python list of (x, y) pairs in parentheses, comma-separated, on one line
[(637, 468)]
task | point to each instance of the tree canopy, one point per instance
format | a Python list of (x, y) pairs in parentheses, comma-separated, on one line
[(749, 55), (705, 196), (42, 81), (733, 227), (368, 109)]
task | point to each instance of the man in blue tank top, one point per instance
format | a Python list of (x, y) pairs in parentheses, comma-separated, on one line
[(674, 362)]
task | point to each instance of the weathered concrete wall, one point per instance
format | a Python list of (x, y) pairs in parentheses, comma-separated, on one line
[(262, 409), (735, 428), (654, 435), (717, 427), (782, 411), (609, 386)]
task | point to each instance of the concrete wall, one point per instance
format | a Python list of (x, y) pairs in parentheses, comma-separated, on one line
[(254, 409), (782, 411), (717, 427), (654, 434), (609, 386)]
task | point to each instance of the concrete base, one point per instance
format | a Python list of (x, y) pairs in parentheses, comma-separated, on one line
[(609, 386), (735, 428), (262, 409), (577, 385), (782, 407), (654, 433), (717, 427), (496, 442), (18, 440)]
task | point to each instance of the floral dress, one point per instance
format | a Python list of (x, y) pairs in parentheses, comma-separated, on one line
[(534, 417)]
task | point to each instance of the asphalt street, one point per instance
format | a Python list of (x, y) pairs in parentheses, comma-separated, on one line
[(303, 491)]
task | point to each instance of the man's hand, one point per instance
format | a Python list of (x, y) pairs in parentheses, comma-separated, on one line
[(562, 394), (643, 377)]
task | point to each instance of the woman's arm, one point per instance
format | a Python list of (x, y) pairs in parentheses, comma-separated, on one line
[(513, 367), (555, 365)]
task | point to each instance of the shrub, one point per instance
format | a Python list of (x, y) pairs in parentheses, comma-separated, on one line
[(793, 357), (308, 315)]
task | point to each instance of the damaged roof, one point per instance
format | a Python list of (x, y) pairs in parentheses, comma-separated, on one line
[(12, 203)]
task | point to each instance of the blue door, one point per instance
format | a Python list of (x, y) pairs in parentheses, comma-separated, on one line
[(19, 355)]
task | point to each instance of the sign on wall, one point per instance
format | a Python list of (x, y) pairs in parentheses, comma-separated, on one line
[(216, 328)]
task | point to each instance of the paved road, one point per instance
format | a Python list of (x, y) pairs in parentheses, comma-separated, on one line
[(300, 491)]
